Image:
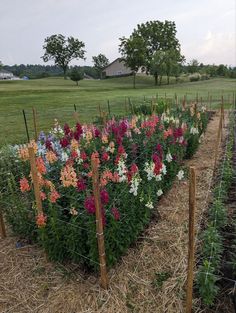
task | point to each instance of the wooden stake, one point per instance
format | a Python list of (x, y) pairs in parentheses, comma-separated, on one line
[(108, 107), (222, 112), (2, 226), (99, 225), (191, 244), (26, 126), (35, 179), (35, 125)]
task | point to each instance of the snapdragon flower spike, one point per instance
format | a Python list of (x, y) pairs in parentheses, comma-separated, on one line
[(104, 196), (89, 205), (64, 142), (81, 184), (66, 129)]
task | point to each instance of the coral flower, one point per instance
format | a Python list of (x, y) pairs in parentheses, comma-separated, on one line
[(51, 157), (41, 220), (41, 166), (43, 195), (68, 176), (23, 154), (54, 195), (24, 185), (95, 157)]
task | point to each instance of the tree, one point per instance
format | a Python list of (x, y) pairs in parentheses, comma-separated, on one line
[(173, 60), (222, 70), (100, 62), (76, 76), (63, 50), (193, 66), (158, 66), (133, 51)]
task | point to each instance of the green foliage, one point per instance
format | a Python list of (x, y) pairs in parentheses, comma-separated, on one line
[(206, 281), (100, 62), (62, 50), (76, 76)]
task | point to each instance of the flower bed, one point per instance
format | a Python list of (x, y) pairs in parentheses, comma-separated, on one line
[(138, 160)]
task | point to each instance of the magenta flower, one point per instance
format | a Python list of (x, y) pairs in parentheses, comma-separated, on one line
[(90, 205), (104, 196), (115, 213)]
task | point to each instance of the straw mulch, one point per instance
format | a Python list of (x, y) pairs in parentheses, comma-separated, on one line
[(31, 284)]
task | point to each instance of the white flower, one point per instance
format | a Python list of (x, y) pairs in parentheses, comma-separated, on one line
[(121, 168), (194, 131), (203, 109), (158, 177), (149, 167), (169, 157), (163, 169), (64, 156), (159, 192), (180, 174), (149, 205), (134, 185)]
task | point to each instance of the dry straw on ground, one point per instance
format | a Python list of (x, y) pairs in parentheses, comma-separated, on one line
[(30, 284)]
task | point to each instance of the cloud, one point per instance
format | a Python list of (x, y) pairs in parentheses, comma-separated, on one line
[(215, 47)]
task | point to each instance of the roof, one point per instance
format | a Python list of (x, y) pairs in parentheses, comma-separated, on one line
[(5, 72), (118, 59)]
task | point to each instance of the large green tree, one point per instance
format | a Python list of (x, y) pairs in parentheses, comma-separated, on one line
[(100, 62), (158, 66), (63, 50), (133, 53)]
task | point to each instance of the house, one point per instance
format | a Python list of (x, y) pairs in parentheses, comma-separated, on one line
[(6, 75), (116, 68)]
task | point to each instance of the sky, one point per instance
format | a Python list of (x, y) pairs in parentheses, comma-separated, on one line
[(206, 29)]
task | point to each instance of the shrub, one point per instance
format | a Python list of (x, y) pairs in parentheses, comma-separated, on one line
[(195, 77)]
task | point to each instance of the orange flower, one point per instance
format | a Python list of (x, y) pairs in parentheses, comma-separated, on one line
[(24, 185), (41, 220), (68, 176), (41, 166), (51, 157), (54, 195)]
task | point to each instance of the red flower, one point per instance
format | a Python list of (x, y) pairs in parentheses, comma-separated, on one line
[(104, 196), (66, 129), (115, 213), (64, 142), (96, 132), (74, 154), (86, 166), (81, 186), (105, 156), (78, 132), (90, 205), (83, 155), (121, 150), (134, 169)]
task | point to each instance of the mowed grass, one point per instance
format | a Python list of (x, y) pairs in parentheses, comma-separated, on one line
[(55, 98)]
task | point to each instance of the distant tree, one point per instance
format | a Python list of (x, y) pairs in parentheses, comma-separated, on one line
[(76, 75), (222, 70), (100, 62), (193, 66), (63, 50), (172, 60), (133, 51)]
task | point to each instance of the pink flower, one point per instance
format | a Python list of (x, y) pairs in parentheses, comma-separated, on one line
[(43, 195), (83, 155), (54, 196), (41, 220)]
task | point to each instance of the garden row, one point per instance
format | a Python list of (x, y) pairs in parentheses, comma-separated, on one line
[(217, 252), (138, 159)]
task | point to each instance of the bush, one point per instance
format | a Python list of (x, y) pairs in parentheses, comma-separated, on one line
[(195, 77)]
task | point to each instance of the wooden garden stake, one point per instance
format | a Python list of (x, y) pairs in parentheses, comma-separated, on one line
[(2, 226), (99, 224), (26, 126), (191, 244), (108, 107), (35, 125), (222, 111), (34, 173)]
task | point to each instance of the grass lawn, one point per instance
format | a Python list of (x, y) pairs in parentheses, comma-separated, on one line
[(55, 98)]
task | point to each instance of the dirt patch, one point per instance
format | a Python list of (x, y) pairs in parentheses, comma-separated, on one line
[(149, 278)]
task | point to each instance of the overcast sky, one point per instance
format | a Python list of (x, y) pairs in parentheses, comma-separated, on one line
[(206, 29)]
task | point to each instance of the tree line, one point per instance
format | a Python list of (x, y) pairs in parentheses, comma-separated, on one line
[(152, 48)]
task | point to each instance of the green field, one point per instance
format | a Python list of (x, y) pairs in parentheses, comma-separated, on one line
[(55, 98)]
